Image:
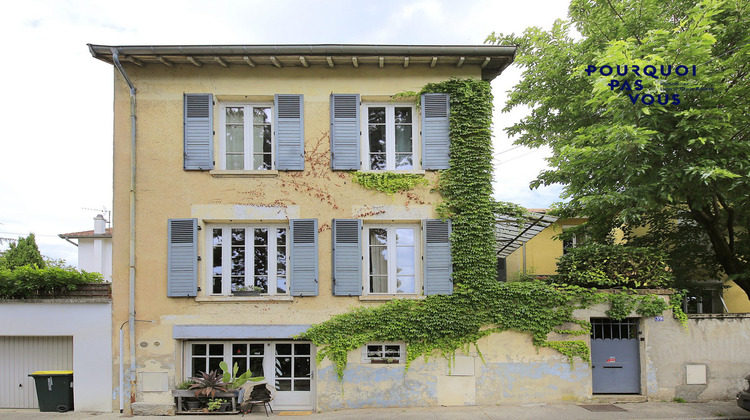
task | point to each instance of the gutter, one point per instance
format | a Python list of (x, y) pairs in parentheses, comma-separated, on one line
[(67, 239), (131, 236)]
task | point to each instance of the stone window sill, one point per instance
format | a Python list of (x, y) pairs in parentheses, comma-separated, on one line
[(244, 174)]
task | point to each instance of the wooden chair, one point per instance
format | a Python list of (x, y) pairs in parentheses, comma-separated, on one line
[(257, 394)]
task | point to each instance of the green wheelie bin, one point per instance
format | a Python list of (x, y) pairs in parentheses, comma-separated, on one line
[(54, 389)]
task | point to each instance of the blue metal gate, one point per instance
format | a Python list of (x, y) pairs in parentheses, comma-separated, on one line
[(615, 361)]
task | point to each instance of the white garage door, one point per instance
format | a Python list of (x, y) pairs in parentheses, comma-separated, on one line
[(20, 356)]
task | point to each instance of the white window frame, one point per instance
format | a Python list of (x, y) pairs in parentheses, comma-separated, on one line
[(366, 358), (248, 154), (573, 242), (390, 125), (392, 268), (226, 289)]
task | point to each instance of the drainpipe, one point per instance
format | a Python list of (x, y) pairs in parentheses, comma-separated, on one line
[(131, 275)]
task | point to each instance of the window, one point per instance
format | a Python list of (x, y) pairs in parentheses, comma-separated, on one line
[(247, 256), (391, 257), (384, 353), (389, 138), (206, 356), (246, 136), (573, 241)]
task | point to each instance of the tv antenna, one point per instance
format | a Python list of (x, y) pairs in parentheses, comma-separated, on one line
[(102, 211)]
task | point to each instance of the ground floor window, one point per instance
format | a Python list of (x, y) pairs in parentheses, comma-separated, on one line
[(384, 353)]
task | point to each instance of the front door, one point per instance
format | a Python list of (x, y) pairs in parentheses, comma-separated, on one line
[(615, 360), (292, 375)]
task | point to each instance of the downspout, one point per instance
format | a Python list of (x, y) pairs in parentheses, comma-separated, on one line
[(131, 274)]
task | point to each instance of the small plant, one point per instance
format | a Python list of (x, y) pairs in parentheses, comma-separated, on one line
[(679, 400), (232, 380), (185, 384), (248, 289), (207, 384), (214, 404)]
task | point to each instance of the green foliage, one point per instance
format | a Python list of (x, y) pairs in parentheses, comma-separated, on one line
[(185, 384), (614, 266), (208, 384), (232, 380), (23, 252), (214, 404), (388, 182), (440, 325), (679, 171), (28, 282)]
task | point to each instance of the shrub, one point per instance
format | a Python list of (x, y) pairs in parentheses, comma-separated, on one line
[(29, 282), (614, 266)]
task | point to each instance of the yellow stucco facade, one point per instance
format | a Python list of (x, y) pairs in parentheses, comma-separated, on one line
[(539, 255)]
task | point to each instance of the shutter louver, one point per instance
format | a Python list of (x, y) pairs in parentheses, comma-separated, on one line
[(290, 133), (435, 131), (304, 257), (438, 267), (182, 257), (198, 132), (345, 132), (347, 257)]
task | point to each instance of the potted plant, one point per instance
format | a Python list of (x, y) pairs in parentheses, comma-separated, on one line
[(208, 384), (384, 360), (185, 397), (247, 291)]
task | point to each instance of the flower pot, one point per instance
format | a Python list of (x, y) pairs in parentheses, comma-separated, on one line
[(246, 293), (193, 404)]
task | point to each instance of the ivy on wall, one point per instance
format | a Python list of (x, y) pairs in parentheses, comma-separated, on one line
[(388, 182), (439, 325)]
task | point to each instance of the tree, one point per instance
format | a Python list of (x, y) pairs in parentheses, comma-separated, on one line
[(666, 150), (23, 252)]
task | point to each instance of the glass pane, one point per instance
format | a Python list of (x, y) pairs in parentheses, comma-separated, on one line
[(393, 351), (284, 349), (405, 284), (235, 162), (235, 139), (283, 367), (238, 261), (405, 261), (262, 282), (256, 349), (405, 236), (239, 349), (376, 114), (262, 162), (285, 385), (241, 364), (280, 236), (301, 367), (404, 162), (261, 236), (402, 115), (374, 351), (301, 349), (199, 349), (217, 269), (281, 261), (256, 366), (216, 289), (378, 236), (377, 138), (213, 364), (302, 385), (266, 139), (216, 349), (403, 139), (258, 131), (237, 282), (235, 115), (217, 237), (281, 285), (377, 162), (198, 365), (238, 236), (261, 115), (261, 261)]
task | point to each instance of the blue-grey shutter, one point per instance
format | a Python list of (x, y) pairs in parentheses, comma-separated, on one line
[(345, 132), (438, 268), (199, 131), (347, 257), (303, 261), (182, 257), (290, 133), (435, 131)]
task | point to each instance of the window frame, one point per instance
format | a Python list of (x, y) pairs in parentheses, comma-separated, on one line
[(272, 271), (366, 358), (390, 127), (248, 132), (391, 247)]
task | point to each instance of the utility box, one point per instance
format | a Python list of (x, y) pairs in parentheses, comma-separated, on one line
[(54, 389)]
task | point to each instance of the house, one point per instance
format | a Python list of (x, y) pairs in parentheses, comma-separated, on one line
[(239, 159), (533, 248), (94, 248)]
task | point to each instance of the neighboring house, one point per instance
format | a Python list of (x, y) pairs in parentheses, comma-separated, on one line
[(536, 250), (94, 248)]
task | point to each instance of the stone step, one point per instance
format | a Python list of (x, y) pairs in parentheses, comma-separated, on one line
[(617, 398)]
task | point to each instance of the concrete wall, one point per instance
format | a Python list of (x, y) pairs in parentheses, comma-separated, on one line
[(90, 326)]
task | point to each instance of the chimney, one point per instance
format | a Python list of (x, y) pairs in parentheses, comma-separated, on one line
[(100, 225)]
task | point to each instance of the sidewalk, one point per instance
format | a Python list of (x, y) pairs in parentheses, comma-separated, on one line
[(646, 410)]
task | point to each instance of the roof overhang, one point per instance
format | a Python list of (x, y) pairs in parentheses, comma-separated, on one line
[(491, 59), (511, 233)]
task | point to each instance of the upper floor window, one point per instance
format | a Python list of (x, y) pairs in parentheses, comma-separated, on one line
[(246, 136), (248, 256), (391, 258), (389, 140)]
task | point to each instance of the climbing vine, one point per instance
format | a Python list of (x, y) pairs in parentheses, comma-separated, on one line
[(388, 182), (439, 325)]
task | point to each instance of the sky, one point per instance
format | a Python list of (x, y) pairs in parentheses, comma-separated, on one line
[(56, 147)]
